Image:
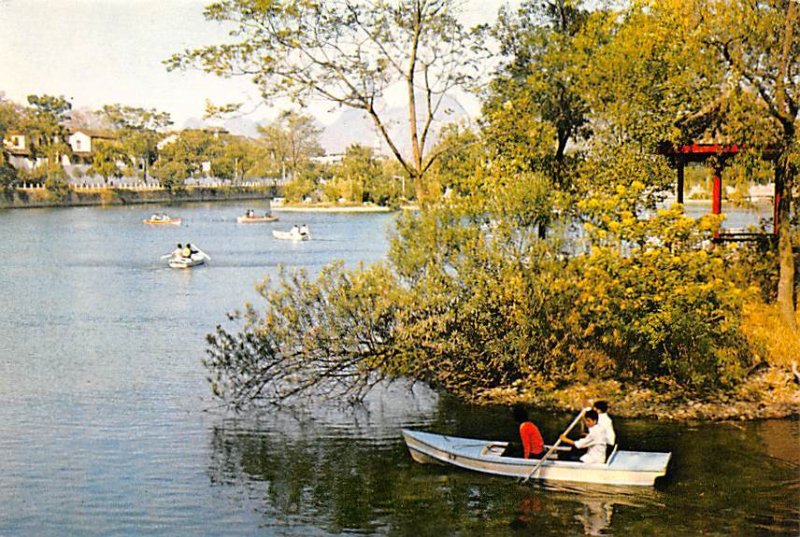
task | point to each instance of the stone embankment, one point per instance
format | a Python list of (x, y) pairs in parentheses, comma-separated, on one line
[(35, 198)]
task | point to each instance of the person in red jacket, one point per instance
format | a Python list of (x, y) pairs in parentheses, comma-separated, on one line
[(532, 443)]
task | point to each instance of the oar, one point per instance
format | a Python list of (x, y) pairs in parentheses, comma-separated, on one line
[(555, 446)]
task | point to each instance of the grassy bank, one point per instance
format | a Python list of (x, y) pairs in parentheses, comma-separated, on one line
[(771, 392), (330, 208), (770, 389), (38, 198)]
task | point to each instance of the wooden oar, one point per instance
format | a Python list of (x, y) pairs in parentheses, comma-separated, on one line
[(555, 446)]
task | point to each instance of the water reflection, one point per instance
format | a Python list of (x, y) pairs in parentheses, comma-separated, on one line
[(592, 514), (335, 471)]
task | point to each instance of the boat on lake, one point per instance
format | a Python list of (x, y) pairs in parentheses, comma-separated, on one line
[(198, 257), (640, 468), (250, 217), (163, 219), (297, 233)]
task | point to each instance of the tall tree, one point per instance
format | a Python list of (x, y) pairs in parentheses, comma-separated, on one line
[(10, 116), (349, 52), (544, 42), (46, 127), (292, 139), (105, 156), (759, 43), (138, 130), (536, 105)]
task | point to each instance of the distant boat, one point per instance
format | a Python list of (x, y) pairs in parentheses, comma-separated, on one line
[(162, 219), (253, 219), (294, 234), (639, 468), (180, 262)]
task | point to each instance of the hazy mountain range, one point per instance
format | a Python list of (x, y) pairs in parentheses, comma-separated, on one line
[(350, 127)]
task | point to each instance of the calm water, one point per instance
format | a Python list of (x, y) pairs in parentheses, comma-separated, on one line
[(107, 426)]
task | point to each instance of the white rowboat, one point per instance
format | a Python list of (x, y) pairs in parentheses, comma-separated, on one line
[(162, 220), (244, 219), (292, 235), (197, 258), (639, 468)]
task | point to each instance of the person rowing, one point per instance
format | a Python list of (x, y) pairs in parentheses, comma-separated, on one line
[(606, 424), (592, 446)]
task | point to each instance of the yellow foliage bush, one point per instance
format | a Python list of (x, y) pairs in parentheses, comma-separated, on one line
[(769, 336)]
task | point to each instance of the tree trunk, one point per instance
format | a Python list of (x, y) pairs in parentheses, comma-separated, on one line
[(787, 116), (785, 255)]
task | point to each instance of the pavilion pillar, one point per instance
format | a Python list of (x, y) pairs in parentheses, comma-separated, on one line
[(679, 193), (716, 192)]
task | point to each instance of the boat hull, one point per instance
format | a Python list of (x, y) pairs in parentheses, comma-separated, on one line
[(634, 468), (289, 236), (183, 262), (167, 222), (255, 219)]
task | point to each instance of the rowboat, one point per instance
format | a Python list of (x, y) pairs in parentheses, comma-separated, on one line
[(295, 234), (244, 219), (162, 219), (180, 262), (640, 468)]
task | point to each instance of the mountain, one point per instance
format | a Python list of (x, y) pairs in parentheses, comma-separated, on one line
[(354, 126)]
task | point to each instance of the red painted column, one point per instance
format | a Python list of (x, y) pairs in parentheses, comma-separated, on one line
[(716, 192)]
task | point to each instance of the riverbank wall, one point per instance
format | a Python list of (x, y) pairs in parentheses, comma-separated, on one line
[(39, 197)]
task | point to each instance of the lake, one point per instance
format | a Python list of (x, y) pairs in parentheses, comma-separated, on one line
[(108, 426)]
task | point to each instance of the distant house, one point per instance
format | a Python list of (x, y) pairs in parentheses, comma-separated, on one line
[(84, 142), (333, 158), (19, 154)]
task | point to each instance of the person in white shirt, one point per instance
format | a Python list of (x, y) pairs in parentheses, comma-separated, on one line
[(594, 442), (605, 423)]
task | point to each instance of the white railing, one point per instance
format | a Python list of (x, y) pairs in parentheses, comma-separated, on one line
[(153, 185)]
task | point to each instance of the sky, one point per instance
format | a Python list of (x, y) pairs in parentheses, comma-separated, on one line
[(97, 52)]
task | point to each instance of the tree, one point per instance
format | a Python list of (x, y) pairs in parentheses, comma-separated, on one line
[(358, 171), (45, 126), (10, 117), (545, 42), (292, 139), (759, 44), (548, 47), (105, 156), (233, 157), (138, 131), (185, 156), (350, 53)]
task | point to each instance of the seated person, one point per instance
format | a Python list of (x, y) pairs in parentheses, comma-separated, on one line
[(594, 443), (532, 443), (605, 423)]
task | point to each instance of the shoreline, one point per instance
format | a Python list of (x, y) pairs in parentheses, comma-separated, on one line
[(331, 209), (771, 394), (40, 198)]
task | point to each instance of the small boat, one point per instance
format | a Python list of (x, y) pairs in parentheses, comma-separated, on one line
[(248, 219), (294, 234), (639, 468), (162, 219), (180, 262)]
